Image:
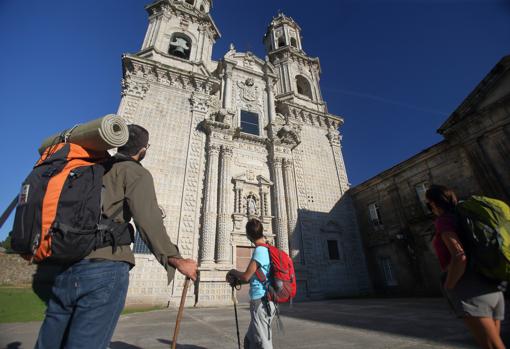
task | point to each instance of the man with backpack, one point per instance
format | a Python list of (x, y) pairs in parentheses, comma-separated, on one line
[(88, 296), (272, 280)]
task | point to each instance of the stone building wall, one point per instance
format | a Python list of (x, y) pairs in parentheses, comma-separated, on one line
[(213, 172), (15, 271), (472, 160)]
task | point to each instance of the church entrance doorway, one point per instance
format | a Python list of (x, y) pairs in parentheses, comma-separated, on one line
[(243, 259)]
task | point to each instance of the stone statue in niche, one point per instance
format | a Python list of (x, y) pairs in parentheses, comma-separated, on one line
[(251, 206)]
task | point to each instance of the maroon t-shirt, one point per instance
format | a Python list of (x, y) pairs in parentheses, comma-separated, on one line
[(443, 224)]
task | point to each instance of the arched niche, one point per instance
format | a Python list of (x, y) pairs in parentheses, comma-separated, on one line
[(303, 86), (180, 46)]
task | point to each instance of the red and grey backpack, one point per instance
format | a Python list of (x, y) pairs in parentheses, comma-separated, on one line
[(282, 277)]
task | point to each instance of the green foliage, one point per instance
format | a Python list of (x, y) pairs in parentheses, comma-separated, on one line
[(6, 243)]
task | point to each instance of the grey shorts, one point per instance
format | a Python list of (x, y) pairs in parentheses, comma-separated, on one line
[(490, 305)]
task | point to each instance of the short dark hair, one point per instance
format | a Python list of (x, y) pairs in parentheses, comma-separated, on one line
[(254, 229), (138, 139), (442, 197)]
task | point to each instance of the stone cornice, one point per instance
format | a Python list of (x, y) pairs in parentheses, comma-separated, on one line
[(148, 70), (211, 125), (469, 104), (400, 167), (233, 58), (200, 66), (183, 10), (308, 116), (292, 53)]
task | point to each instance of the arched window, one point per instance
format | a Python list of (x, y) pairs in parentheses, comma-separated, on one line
[(303, 86), (180, 46), (281, 41), (293, 42), (202, 8)]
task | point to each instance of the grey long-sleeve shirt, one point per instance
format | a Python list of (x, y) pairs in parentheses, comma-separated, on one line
[(129, 184)]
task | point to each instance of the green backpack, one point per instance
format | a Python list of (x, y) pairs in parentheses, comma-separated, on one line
[(485, 225)]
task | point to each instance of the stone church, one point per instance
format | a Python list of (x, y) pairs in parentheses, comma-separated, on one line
[(233, 139)]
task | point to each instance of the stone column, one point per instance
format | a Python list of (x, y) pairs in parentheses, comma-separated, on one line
[(227, 96), (210, 206), (292, 206), (223, 243), (238, 200), (270, 100), (280, 219), (266, 205)]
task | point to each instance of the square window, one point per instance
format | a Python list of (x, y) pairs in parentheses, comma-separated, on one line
[(421, 189), (250, 122), (387, 269), (334, 254), (375, 216)]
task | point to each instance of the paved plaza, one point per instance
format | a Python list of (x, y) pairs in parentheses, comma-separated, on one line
[(360, 323)]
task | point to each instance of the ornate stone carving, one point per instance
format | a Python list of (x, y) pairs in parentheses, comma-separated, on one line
[(249, 198), (334, 137), (223, 243), (200, 102), (210, 205), (280, 221), (249, 92), (192, 190), (292, 206), (134, 88)]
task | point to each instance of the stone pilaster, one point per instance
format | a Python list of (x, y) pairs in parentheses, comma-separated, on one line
[(210, 206), (335, 141), (133, 92), (280, 219), (223, 242), (270, 100), (292, 206)]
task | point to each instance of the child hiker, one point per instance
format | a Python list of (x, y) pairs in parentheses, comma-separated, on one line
[(262, 310)]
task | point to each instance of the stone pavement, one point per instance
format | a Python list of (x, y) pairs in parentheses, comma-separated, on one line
[(409, 323)]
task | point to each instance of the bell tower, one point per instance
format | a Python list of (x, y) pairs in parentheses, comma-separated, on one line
[(298, 73), (180, 32)]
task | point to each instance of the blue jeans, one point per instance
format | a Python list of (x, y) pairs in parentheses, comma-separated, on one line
[(86, 302)]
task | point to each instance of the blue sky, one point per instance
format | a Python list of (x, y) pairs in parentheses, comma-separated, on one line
[(393, 69)]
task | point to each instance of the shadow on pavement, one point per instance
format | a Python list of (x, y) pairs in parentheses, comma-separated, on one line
[(13, 345), (180, 346), (426, 319)]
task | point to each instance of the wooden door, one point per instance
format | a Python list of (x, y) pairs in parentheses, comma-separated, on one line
[(243, 259)]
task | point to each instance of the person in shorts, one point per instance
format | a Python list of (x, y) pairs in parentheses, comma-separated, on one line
[(262, 310), (471, 296)]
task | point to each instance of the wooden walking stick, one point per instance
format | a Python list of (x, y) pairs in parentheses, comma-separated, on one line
[(181, 311)]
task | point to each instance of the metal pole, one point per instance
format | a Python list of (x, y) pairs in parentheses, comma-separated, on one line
[(234, 299)]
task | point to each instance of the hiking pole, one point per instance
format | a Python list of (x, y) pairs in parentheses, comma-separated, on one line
[(179, 314), (234, 299)]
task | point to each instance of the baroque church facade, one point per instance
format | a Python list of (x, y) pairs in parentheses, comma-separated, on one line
[(234, 139)]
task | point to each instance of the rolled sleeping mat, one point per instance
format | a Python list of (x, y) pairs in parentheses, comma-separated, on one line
[(102, 134)]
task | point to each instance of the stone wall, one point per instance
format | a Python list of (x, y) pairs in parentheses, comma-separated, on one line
[(14, 270), (472, 160)]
